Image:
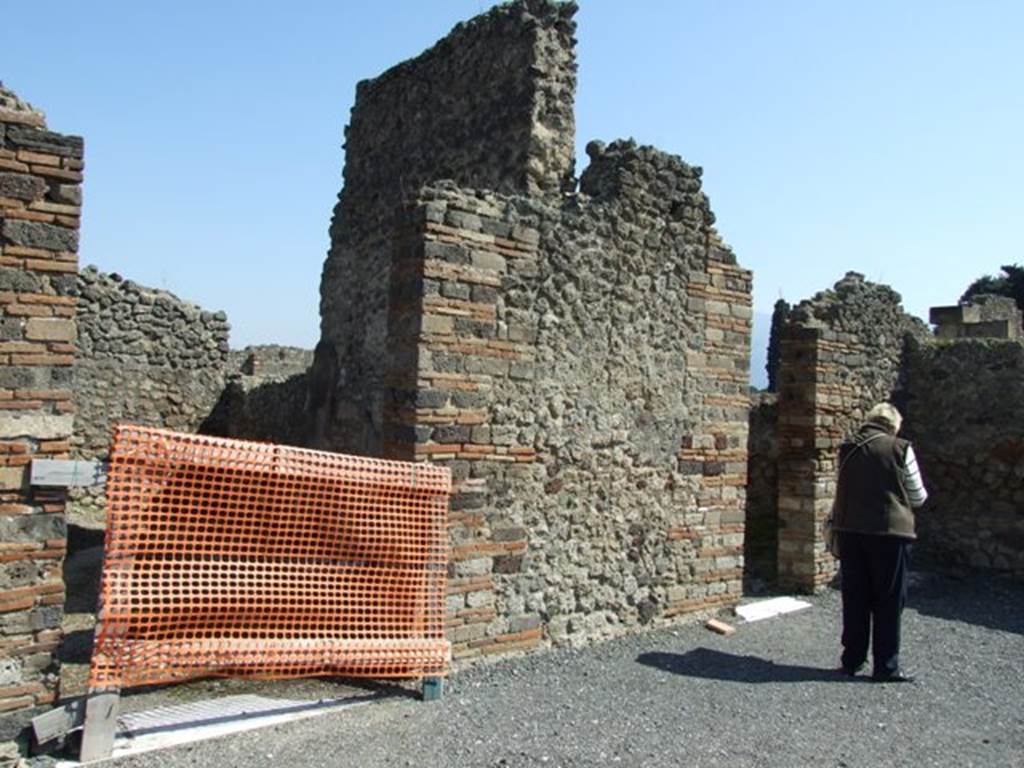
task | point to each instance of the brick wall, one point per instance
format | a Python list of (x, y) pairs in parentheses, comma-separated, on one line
[(40, 199), (840, 353)]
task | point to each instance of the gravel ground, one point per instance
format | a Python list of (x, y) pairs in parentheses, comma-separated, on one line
[(766, 696)]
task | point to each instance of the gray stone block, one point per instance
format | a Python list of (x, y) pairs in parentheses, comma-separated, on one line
[(12, 279), (36, 234), (21, 186)]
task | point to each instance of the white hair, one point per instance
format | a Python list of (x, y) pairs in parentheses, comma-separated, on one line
[(885, 415)]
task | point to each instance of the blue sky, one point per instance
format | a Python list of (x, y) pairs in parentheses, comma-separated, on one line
[(880, 137)]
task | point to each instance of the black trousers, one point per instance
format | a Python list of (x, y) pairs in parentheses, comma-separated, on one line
[(873, 574)]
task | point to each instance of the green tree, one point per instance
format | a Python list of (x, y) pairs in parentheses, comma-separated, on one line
[(1010, 283)]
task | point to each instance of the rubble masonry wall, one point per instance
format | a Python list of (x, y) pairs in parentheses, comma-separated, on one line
[(491, 107), (964, 406), (144, 356), (579, 359)]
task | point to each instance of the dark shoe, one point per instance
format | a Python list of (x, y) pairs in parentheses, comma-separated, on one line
[(892, 677), (848, 671)]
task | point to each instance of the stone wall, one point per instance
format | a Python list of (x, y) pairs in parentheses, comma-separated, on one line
[(489, 106), (144, 356), (581, 365), (40, 206), (964, 406), (985, 316), (265, 397), (761, 535), (579, 360), (780, 313), (840, 353)]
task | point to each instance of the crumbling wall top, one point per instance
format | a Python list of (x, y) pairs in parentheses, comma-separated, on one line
[(653, 185), (857, 306), (14, 110), (489, 106)]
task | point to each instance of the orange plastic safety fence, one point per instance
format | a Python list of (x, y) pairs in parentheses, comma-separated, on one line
[(232, 558)]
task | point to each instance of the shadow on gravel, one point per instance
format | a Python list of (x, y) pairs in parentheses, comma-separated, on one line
[(715, 665), (974, 598)]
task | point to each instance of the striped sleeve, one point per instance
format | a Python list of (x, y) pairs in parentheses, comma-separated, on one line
[(914, 484)]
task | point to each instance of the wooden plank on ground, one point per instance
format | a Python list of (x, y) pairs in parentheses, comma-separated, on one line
[(58, 722)]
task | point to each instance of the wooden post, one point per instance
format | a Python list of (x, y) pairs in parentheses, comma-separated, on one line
[(100, 725)]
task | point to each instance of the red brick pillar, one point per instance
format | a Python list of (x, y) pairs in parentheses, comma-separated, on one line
[(40, 199), (801, 503)]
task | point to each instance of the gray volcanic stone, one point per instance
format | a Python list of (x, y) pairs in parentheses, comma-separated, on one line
[(143, 356), (21, 186), (36, 234), (20, 280), (45, 141)]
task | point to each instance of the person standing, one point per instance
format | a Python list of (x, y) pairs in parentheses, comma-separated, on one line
[(879, 485)]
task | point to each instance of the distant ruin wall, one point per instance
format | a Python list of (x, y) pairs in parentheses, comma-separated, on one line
[(840, 353), (265, 396), (146, 357), (40, 208), (761, 535), (490, 106), (965, 415)]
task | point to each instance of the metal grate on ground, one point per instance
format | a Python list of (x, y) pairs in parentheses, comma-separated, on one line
[(233, 558)]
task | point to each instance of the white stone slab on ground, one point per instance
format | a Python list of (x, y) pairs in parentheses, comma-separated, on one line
[(164, 727), (766, 609)]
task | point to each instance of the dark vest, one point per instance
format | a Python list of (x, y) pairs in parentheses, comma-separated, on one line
[(871, 497)]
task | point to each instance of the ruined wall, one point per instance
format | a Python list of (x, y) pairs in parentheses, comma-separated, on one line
[(986, 315), (761, 534), (265, 397), (780, 313), (964, 408), (579, 360), (40, 199), (840, 353), (144, 356), (489, 106), (581, 365)]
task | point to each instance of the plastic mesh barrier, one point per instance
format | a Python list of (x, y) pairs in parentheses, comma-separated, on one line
[(232, 558)]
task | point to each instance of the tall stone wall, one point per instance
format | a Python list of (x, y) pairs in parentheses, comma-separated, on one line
[(581, 365), (964, 406), (489, 106), (144, 356), (840, 353), (40, 207), (579, 360)]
